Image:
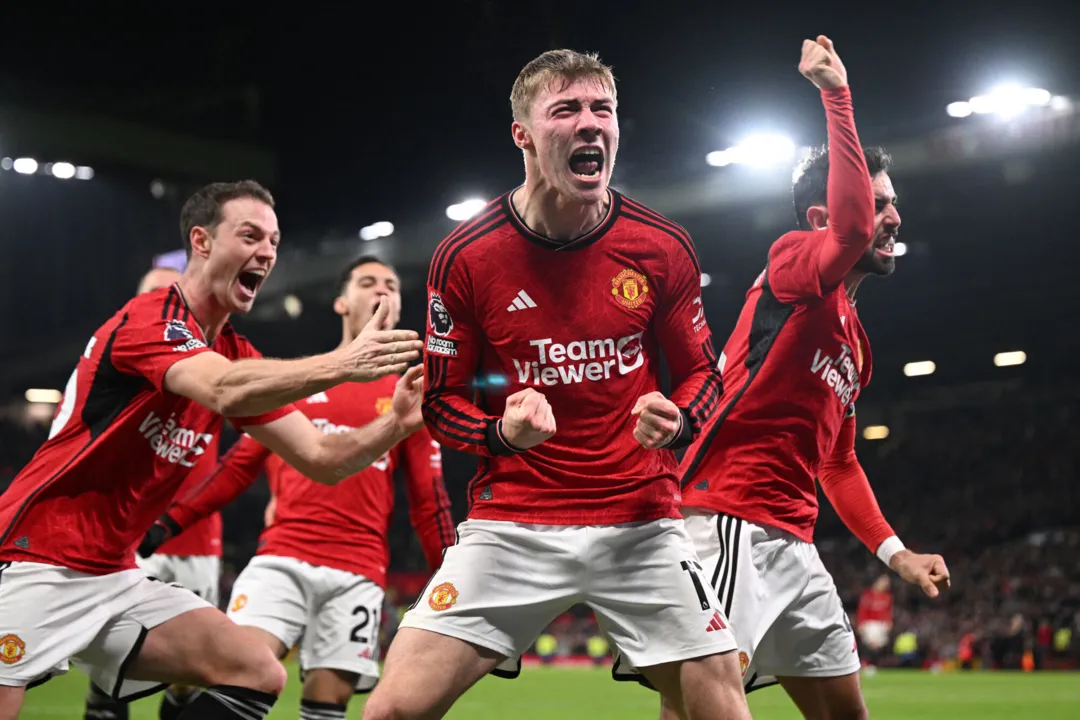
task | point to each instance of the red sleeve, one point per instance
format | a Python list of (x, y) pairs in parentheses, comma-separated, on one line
[(686, 341), (846, 486), (812, 263), (429, 505), (236, 472), (451, 360), (155, 333), (247, 351)]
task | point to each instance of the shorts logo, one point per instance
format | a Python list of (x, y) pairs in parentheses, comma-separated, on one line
[(441, 322), (630, 288), (12, 649), (382, 405), (744, 662), (239, 603), (443, 597)]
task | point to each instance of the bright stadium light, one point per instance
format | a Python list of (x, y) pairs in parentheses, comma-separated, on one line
[(465, 209), (1006, 101), (1012, 357), (875, 432), (706, 279), (923, 367), (84, 173), (761, 150), (959, 109), (377, 230), (293, 306), (63, 170), (25, 166), (41, 395), (899, 249)]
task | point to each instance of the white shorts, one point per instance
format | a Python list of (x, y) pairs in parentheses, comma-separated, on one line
[(503, 583), (874, 634), (784, 608), (333, 614), (201, 574), (51, 615)]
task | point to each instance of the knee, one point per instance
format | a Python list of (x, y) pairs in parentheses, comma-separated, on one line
[(255, 668), (852, 710), (270, 676), (382, 706)]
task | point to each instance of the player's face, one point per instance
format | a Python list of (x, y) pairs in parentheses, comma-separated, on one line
[(574, 130), (157, 279), (243, 251), (879, 258), (360, 298)]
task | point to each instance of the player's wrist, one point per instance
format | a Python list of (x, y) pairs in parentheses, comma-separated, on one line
[(683, 436), (498, 442), (888, 549)]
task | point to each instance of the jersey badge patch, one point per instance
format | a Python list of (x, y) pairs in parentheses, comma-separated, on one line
[(630, 288), (238, 603), (12, 649), (441, 322), (744, 662), (443, 597), (382, 405)]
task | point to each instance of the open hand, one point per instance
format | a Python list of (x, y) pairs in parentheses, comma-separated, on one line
[(408, 397), (375, 353)]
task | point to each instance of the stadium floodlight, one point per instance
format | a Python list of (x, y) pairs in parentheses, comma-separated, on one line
[(899, 249), (875, 432), (706, 279), (293, 306), (761, 150), (84, 173), (922, 367), (1005, 101), (465, 209), (63, 170), (25, 166), (1012, 357), (42, 395), (377, 230)]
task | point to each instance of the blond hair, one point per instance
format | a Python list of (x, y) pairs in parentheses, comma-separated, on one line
[(566, 65)]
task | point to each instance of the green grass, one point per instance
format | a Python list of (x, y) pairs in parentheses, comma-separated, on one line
[(567, 694)]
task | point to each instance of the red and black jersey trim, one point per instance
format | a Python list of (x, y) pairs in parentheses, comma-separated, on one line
[(577, 243), (490, 218), (174, 307)]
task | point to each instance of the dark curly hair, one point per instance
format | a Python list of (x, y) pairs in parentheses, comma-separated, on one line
[(811, 178)]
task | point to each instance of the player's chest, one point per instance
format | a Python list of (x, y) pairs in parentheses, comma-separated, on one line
[(343, 409), (178, 433), (836, 348)]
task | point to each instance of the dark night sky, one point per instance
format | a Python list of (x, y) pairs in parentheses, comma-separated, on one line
[(383, 117)]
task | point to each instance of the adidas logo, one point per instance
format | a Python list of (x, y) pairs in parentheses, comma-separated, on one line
[(717, 623), (521, 302), (319, 397)]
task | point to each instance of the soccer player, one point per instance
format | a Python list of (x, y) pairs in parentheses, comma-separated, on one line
[(874, 618), (193, 561), (319, 575), (793, 369), (554, 303), (145, 401)]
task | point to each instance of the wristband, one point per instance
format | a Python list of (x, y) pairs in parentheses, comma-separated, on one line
[(889, 547)]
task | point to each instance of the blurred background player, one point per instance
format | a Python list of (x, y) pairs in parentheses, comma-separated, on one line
[(793, 369), (319, 575), (146, 398), (569, 290), (874, 619), (194, 560)]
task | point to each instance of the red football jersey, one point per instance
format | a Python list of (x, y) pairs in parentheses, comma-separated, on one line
[(120, 446), (204, 536), (874, 606), (794, 365), (344, 526), (584, 323)]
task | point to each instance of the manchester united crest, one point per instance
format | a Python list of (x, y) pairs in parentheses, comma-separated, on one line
[(630, 288), (443, 597), (382, 405), (744, 662), (238, 603), (12, 649)]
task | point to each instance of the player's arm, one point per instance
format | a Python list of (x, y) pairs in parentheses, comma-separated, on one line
[(848, 489), (686, 341), (234, 474), (252, 386), (329, 459), (429, 505)]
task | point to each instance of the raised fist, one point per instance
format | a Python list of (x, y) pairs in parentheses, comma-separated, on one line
[(528, 420), (658, 420), (821, 65)]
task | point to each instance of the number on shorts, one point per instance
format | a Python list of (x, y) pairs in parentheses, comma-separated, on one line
[(367, 617), (692, 568)]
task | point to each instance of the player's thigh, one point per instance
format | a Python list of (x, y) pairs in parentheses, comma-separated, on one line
[(425, 673), (274, 594), (651, 597), (501, 584), (343, 630), (827, 698), (11, 701), (201, 574)]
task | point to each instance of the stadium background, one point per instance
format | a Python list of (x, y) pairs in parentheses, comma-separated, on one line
[(394, 120)]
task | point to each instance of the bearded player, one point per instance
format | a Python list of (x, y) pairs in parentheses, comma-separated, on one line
[(319, 575), (145, 401), (793, 370), (570, 291)]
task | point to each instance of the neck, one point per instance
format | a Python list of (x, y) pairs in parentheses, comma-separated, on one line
[(199, 296), (851, 283), (546, 212), (347, 335)]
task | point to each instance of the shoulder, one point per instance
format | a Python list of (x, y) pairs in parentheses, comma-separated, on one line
[(163, 304), (660, 229), (234, 345), (796, 241), (467, 238)]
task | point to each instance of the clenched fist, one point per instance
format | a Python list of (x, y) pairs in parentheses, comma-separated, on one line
[(821, 65), (528, 420), (375, 353), (408, 396), (659, 420), (926, 571)]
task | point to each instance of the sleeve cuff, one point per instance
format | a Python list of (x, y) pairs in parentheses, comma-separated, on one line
[(171, 525), (496, 443), (889, 547), (684, 436)]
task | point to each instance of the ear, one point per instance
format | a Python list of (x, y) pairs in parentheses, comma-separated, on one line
[(201, 241), (340, 307), (818, 217), (521, 136)]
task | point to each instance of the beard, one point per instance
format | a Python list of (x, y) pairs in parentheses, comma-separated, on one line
[(870, 263)]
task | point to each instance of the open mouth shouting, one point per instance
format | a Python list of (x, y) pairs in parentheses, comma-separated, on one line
[(587, 163), (248, 282), (885, 246)]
